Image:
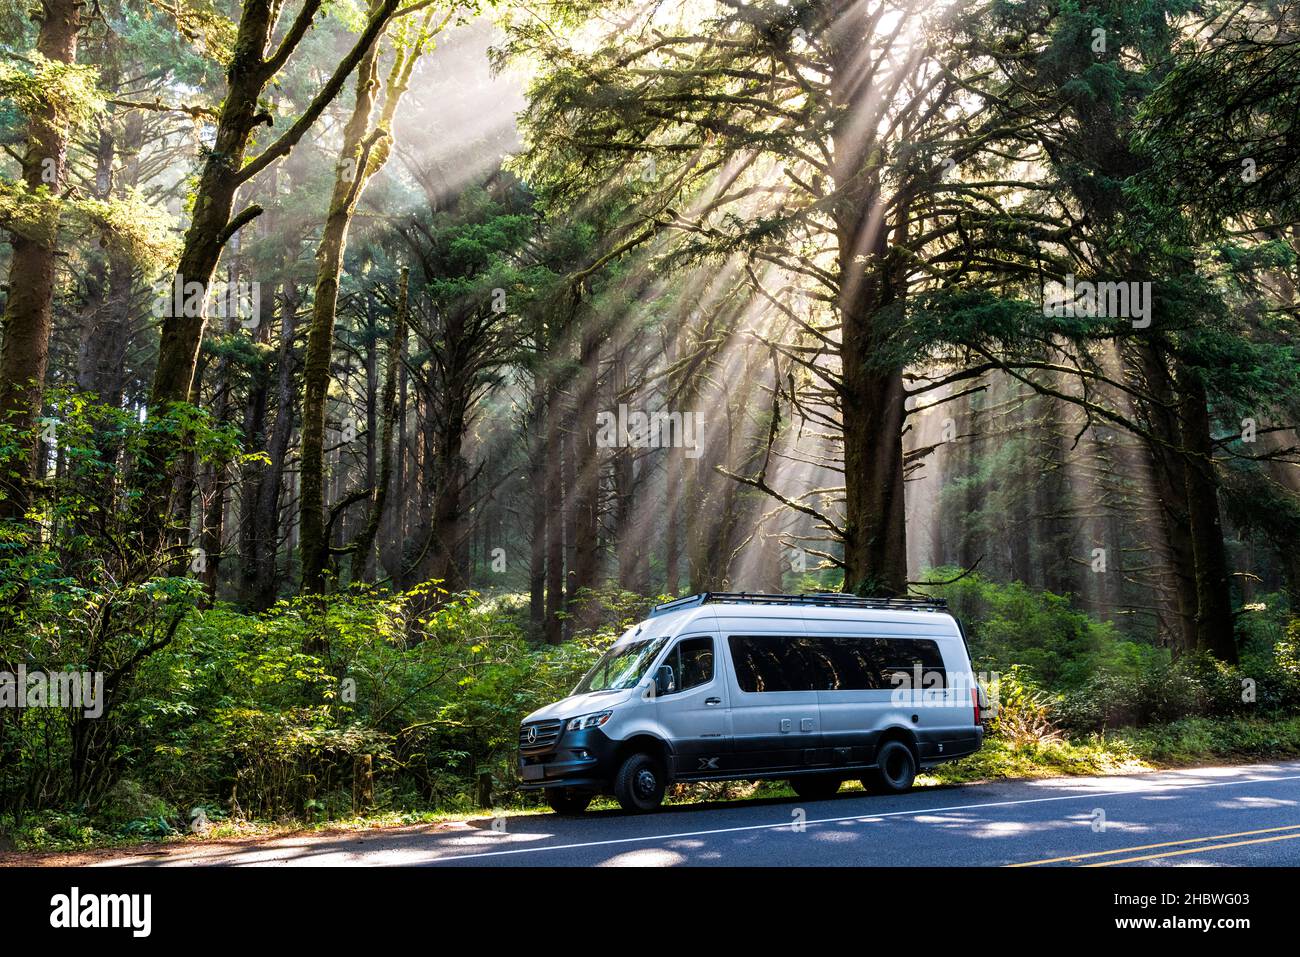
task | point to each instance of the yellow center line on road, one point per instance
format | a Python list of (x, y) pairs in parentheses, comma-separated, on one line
[(1150, 847), (1195, 850)]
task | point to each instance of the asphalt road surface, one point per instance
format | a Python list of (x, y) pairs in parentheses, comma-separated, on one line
[(1241, 815)]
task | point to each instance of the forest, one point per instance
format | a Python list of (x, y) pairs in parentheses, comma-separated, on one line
[(367, 365)]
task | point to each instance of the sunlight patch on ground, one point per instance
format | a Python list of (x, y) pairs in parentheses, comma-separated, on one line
[(1251, 803), (645, 857)]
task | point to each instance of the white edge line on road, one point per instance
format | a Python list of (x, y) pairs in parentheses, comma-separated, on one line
[(853, 817)]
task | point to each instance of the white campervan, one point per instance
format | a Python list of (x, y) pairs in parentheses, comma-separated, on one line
[(814, 688)]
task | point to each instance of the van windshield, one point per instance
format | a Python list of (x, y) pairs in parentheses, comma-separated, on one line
[(621, 666)]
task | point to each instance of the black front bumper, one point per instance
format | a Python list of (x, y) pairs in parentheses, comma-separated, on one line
[(578, 759)]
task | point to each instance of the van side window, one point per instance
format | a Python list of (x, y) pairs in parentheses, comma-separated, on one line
[(907, 655), (692, 662), (778, 663), (833, 663)]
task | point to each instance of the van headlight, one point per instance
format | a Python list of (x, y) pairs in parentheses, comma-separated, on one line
[(588, 721)]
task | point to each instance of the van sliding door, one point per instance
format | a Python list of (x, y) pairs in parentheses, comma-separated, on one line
[(776, 724)]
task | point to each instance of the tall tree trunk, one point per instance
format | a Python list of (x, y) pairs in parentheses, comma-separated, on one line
[(672, 519), (540, 509), (364, 153), (29, 308), (212, 518), (101, 354), (349, 179), (1169, 473), (585, 471), (391, 552), (1214, 620), (379, 485), (570, 467), (443, 535), (211, 225), (697, 520), (555, 518), (875, 552), (672, 492), (871, 395), (256, 407), (261, 581)]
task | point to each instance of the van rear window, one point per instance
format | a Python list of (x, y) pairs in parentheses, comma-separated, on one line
[(834, 663)]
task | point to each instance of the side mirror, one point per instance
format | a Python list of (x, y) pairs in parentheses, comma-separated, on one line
[(665, 681)]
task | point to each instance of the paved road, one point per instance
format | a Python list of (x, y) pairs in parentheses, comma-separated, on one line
[(1242, 815)]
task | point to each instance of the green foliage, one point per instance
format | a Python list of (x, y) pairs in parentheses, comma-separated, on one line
[(142, 230), (1221, 127), (1196, 740), (1194, 685), (78, 594), (1003, 758), (1023, 713), (130, 811), (1188, 741), (1159, 691), (606, 612), (1009, 625), (1060, 668), (272, 712), (206, 25), (67, 89)]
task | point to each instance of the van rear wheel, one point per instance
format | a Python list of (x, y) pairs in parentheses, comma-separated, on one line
[(567, 801), (895, 769), (815, 787), (640, 783)]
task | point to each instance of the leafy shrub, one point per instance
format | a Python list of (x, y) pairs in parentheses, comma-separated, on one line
[(78, 593), (128, 801), (1262, 624), (609, 610), (1101, 680), (51, 829), (1011, 624), (149, 827), (1192, 740), (1186, 741), (239, 711), (1023, 713), (1158, 692), (1194, 685)]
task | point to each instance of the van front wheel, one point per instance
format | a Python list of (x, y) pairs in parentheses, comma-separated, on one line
[(639, 784), (895, 769)]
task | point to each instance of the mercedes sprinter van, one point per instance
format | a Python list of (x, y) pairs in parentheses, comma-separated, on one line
[(818, 689)]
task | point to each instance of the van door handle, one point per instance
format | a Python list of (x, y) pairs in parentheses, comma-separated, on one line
[(713, 701)]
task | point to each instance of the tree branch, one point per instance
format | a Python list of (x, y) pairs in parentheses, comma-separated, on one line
[(328, 92)]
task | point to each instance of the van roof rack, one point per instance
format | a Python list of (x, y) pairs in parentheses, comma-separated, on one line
[(822, 599)]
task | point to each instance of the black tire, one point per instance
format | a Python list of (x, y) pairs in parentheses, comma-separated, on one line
[(815, 787), (568, 802), (640, 783), (895, 769)]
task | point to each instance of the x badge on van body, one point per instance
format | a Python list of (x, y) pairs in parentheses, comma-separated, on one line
[(708, 764)]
